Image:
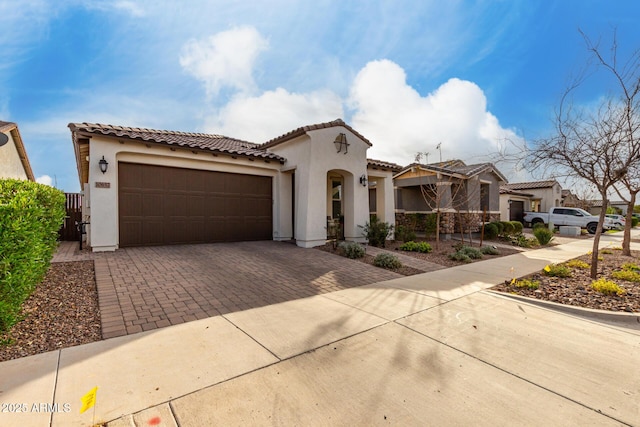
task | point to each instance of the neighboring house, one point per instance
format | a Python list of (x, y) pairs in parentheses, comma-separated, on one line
[(513, 204), (14, 162), (155, 187), (449, 187), (595, 206), (544, 194)]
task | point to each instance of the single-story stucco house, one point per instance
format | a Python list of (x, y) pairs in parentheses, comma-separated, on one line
[(155, 187), (14, 162)]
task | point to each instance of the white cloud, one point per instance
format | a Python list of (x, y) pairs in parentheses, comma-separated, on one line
[(224, 59), (400, 122), (129, 7), (45, 179), (273, 113)]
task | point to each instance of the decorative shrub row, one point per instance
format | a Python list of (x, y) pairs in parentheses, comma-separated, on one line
[(502, 228), (30, 216)]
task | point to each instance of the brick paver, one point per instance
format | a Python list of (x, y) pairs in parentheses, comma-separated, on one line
[(140, 289)]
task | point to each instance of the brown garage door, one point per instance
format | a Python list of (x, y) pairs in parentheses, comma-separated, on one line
[(161, 205)]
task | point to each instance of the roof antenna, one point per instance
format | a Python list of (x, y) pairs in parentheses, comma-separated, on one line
[(439, 148)]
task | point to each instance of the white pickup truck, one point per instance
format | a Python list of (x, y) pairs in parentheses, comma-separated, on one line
[(567, 216)]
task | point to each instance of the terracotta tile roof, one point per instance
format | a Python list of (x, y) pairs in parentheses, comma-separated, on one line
[(198, 141), (384, 165), (531, 185), (304, 129)]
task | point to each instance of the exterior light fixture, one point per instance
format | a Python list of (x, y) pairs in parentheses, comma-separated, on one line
[(340, 142), (103, 165), (363, 180)]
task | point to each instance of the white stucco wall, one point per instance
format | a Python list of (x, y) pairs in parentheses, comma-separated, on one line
[(385, 194), (104, 231), (10, 163), (549, 197), (313, 156)]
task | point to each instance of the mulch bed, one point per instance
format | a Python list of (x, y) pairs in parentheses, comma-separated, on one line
[(62, 312), (576, 290)]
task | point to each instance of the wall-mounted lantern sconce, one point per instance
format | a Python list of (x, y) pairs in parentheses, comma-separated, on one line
[(363, 180), (103, 165), (340, 142)]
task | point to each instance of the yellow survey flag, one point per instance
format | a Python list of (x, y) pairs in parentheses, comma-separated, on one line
[(547, 269), (88, 400), (513, 281)]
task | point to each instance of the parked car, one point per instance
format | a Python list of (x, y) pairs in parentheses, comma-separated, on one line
[(619, 221), (568, 216)]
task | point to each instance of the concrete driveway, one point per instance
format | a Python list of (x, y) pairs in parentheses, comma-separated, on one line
[(146, 288)]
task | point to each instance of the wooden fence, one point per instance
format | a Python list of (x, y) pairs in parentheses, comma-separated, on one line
[(69, 230)]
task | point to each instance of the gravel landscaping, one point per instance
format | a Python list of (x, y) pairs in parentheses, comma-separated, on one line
[(62, 312), (576, 290)]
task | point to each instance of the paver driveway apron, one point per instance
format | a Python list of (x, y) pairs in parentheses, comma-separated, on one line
[(152, 287)]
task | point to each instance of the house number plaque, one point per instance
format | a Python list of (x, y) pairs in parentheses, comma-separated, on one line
[(103, 184)]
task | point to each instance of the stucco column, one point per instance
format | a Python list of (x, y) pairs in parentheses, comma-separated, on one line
[(282, 211)]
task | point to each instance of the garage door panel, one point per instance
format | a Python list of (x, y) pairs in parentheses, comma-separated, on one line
[(152, 232), (163, 205)]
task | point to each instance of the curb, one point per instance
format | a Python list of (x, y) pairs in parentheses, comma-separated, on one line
[(631, 320)]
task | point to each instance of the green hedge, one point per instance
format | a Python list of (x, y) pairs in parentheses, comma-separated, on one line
[(30, 216)]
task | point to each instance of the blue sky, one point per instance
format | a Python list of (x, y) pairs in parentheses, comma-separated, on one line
[(406, 74)]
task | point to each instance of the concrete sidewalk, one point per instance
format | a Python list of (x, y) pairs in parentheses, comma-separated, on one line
[(427, 349)]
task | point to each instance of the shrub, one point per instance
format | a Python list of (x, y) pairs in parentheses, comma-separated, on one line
[(628, 275), (517, 227), (523, 241), (466, 254), (30, 216), (489, 250), (472, 253), (491, 230), (422, 247), (377, 231), (557, 270), (351, 250), (543, 235), (507, 228), (607, 287), (576, 263), (527, 284), (388, 261), (630, 266), (539, 225), (634, 221), (460, 256), (405, 234), (500, 226)]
